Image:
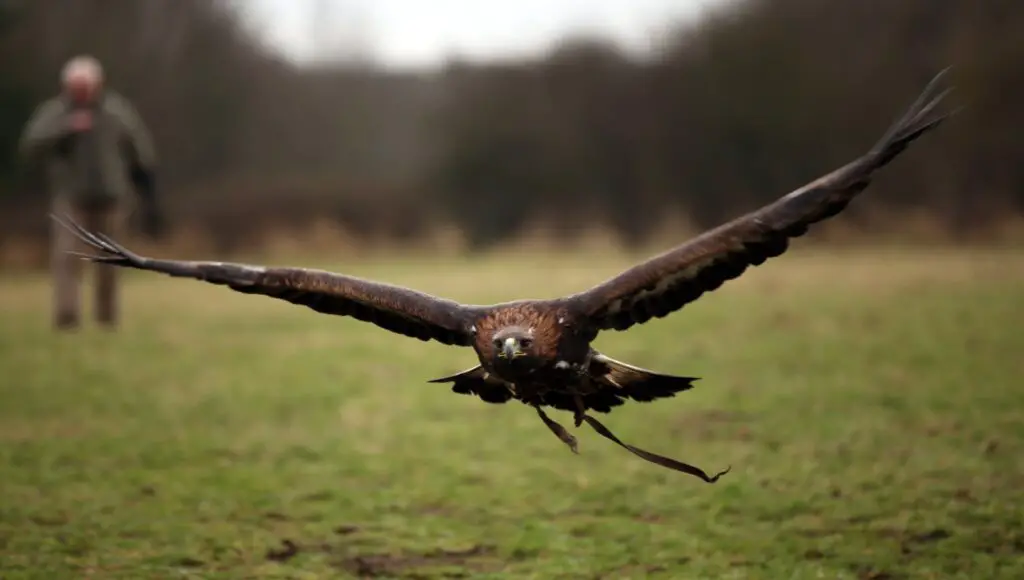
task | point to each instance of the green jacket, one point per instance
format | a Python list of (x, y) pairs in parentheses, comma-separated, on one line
[(94, 167)]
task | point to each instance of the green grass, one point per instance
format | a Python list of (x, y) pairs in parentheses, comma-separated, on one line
[(870, 403)]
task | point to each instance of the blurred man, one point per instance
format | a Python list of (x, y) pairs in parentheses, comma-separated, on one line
[(93, 149)]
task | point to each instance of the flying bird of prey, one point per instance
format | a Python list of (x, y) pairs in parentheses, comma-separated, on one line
[(539, 352)]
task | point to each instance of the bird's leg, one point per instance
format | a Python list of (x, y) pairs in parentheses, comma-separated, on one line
[(584, 382), (558, 430), (581, 409)]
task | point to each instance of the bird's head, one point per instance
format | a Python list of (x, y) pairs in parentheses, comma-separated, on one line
[(514, 344)]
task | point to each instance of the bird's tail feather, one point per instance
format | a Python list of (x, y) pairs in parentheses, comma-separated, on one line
[(638, 383)]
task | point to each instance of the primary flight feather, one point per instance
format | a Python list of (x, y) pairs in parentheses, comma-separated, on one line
[(539, 351)]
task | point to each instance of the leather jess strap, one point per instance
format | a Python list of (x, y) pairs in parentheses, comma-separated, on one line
[(661, 460)]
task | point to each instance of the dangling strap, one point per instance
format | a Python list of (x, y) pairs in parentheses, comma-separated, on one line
[(569, 440), (653, 458)]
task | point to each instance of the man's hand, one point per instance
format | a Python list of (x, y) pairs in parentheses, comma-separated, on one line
[(75, 122), (80, 121)]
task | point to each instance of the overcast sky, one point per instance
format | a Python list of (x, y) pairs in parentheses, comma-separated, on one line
[(423, 32)]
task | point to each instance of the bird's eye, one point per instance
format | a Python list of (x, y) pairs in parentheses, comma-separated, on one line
[(497, 342), (526, 342)]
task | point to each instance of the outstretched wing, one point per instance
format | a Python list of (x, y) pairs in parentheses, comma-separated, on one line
[(393, 308), (667, 282)]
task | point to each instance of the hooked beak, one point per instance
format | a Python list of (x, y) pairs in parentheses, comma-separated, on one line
[(510, 350)]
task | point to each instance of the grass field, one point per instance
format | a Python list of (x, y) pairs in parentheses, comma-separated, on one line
[(871, 405)]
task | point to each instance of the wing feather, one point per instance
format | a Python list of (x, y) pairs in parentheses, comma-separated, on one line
[(393, 308), (477, 381), (669, 281)]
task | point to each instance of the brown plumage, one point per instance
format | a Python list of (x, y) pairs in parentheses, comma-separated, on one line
[(539, 351)]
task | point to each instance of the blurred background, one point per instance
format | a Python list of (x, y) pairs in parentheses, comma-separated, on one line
[(866, 390), (350, 124)]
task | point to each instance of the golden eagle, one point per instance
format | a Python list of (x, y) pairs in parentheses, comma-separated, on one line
[(539, 351)]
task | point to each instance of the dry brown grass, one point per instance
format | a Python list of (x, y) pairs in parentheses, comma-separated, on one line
[(324, 239)]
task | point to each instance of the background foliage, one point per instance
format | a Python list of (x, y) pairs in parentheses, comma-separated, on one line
[(750, 101)]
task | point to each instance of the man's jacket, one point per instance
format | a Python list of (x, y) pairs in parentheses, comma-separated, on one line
[(96, 167)]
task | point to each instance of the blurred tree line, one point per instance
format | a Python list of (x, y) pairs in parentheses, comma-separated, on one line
[(729, 112)]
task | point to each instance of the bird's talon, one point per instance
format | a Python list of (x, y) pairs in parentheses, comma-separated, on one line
[(572, 443)]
